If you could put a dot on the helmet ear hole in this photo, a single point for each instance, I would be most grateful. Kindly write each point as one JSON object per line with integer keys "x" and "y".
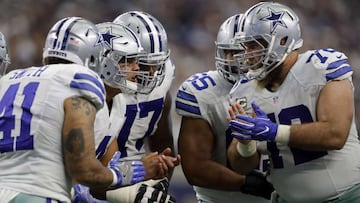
{"x": 283, "y": 41}
{"x": 92, "y": 59}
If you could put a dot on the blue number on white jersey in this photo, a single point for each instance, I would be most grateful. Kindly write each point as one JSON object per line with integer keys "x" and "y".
{"x": 302, "y": 113}
{"x": 131, "y": 111}
{"x": 24, "y": 141}
{"x": 203, "y": 78}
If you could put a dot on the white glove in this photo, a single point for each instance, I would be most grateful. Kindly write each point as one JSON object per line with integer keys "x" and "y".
{"x": 151, "y": 191}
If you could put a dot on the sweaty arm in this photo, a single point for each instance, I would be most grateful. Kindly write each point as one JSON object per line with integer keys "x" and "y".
{"x": 335, "y": 109}
{"x": 78, "y": 144}
{"x": 195, "y": 143}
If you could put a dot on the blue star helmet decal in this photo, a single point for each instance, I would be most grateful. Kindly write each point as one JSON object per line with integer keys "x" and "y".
{"x": 108, "y": 37}
{"x": 100, "y": 40}
{"x": 275, "y": 18}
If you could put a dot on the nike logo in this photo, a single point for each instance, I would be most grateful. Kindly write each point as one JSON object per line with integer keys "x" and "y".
{"x": 267, "y": 129}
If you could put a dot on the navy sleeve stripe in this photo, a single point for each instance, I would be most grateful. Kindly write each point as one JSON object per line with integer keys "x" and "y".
{"x": 92, "y": 79}
{"x": 186, "y": 96}
{"x": 338, "y": 73}
{"x": 337, "y": 64}
{"x": 187, "y": 108}
{"x": 88, "y": 87}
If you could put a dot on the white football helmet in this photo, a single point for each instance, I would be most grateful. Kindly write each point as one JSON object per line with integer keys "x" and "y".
{"x": 121, "y": 46}
{"x": 275, "y": 28}
{"x": 224, "y": 44}
{"x": 76, "y": 40}
{"x": 4, "y": 56}
{"x": 153, "y": 38}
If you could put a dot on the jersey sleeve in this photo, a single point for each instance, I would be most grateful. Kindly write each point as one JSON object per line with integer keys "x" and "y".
{"x": 89, "y": 85}
{"x": 336, "y": 64}
{"x": 186, "y": 103}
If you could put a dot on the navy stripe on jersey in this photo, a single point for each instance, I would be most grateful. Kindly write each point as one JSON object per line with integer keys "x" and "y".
{"x": 339, "y": 72}
{"x": 91, "y": 78}
{"x": 58, "y": 31}
{"x": 336, "y": 64}
{"x": 186, "y": 96}
{"x": 187, "y": 108}
{"x": 90, "y": 84}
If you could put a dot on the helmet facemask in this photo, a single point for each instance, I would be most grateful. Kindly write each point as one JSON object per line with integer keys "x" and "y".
{"x": 225, "y": 65}
{"x": 153, "y": 38}
{"x": 117, "y": 73}
{"x": 269, "y": 31}
{"x": 225, "y": 48}
{"x": 154, "y": 63}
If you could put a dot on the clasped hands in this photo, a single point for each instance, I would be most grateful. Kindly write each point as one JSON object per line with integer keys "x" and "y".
{"x": 152, "y": 166}
{"x": 259, "y": 127}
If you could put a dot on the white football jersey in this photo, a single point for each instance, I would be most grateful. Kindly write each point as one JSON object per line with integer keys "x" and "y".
{"x": 101, "y": 128}
{"x": 31, "y": 122}
{"x": 299, "y": 175}
{"x": 206, "y": 96}
{"x": 134, "y": 117}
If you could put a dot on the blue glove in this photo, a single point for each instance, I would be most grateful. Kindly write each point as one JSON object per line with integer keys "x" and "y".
{"x": 258, "y": 128}
{"x": 82, "y": 195}
{"x": 126, "y": 172}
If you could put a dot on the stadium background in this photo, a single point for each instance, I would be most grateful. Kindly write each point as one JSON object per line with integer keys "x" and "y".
{"x": 191, "y": 26}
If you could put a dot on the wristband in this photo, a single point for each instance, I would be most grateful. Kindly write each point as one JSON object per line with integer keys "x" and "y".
{"x": 115, "y": 178}
{"x": 283, "y": 134}
{"x": 123, "y": 194}
{"x": 246, "y": 150}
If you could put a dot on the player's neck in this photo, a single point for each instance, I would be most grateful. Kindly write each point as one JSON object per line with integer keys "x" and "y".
{"x": 111, "y": 92}
{"x": 274, "y": 80}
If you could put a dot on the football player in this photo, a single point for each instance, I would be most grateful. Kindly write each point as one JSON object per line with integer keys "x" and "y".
{"x": 304, "y": 111}
{"x": 202, "y": 101}
{"x": 120, "y": 72}
{"x": 141, "y": 120}
{"x": 47, "y": 137}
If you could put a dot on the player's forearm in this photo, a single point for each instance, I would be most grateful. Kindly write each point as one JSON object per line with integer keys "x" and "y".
{"x": 214, "y": 176}
{"x": 93, "y": 174}
{"x": 317, "y": 136}
{"x": 241, "y": 164}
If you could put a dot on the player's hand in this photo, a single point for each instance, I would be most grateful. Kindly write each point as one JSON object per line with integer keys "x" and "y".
{"x": 169, "y": 162}
{"x": 147, "y": 191}
{"x": 153, "y": 166}
{"x": 81, "y": 194}
{"x": 154, "y": 194}
{"x": 126, "y": 172}
{"x": 256, "y": 184}
{"x": 258, "y": 128}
